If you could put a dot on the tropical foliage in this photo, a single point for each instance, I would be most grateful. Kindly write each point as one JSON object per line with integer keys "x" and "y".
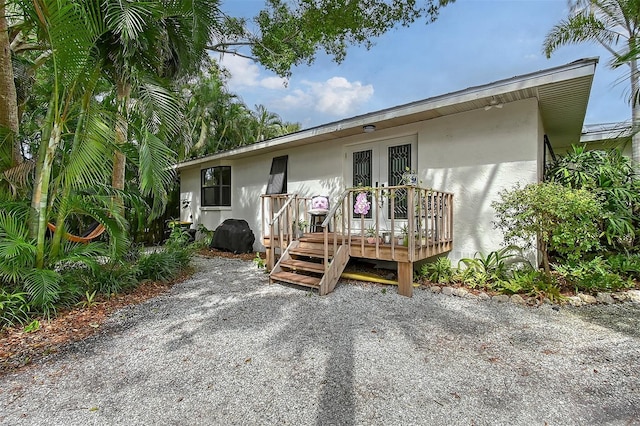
{"x": 560, "y": 219}
{"x": 611, "y": 177}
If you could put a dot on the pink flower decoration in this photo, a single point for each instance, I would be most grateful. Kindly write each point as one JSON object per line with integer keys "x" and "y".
{"x": 362, "y": 205}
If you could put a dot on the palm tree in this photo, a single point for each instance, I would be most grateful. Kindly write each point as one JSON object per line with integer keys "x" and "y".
{"x": 147, "y": 41}
{"x": 268, "y": 124}
{"x": 615, "y": 24}
{"x": 70, "y": 30}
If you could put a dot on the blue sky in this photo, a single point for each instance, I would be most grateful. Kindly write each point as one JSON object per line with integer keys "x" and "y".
{"x": 473, "y": 42}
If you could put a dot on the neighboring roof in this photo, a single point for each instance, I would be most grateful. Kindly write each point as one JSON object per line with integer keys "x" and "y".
{"x": 562, "y": 93}
{"x": 606, "y": 132}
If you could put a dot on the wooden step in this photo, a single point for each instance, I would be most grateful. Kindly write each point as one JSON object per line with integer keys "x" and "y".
{"x": 297, "y": 279}
{"x": 318, "y": 237}
{"x": 310, "y": 252}
{"x": 301, "y": 265}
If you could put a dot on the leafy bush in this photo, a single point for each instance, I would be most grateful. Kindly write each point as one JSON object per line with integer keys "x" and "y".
{"x": 14, "y": 308}
{"x": 520, "y": 281}
{"x": 163, "y": 265}
{"x": 627, "y": 265}
{"x": 439, "y": 271}
{"x": 45, "y": 287}
{"x": 182, "y": 257}
{"x": 564, "y": 220}
{"x": 497, "y": 265}
{"x": 114, "y": 277}
{"x": 594, "y": 275}
{"x": 206, "y": 235}
{"x": 179, "y": 237}
{"x": 615, "y": 183}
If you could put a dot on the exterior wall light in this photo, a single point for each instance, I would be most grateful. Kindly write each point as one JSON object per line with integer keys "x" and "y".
{"x": 369, "y": 128}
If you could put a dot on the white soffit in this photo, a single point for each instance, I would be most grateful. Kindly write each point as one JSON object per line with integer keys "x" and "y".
{"x": 562, "y": 93}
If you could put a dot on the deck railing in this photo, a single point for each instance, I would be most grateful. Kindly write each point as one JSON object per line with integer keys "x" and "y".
{"x": 400, "y": 218}
{"x": 282, "y": 216}
{"x": 408, "y": 221}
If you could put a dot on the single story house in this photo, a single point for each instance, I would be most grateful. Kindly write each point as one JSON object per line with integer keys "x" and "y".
{"x": 467, "y": 145}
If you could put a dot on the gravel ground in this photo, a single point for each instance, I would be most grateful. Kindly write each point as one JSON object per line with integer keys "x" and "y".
{"x": 226, "y": 348}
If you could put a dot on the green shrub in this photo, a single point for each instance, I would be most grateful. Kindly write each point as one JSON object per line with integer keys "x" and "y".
{"x": 564, "y": 220}
{"x": 439, "y": 271}
{"x": 591, "y": 276}
{"x": 615, "y": 183}
{"x": 179, "y": 237}
{"x": 14, "y": 308}
{"x": 497, "y": 265}
{"x": 519, "y": 282}
{"x": 164, "y": 265}
{"x": 626, "y": 265}
{"x": 182, "y": 258}
{"x": 549, "y": 289}
{"x": 206, "y": 235}
{"x": 114, "y": 277}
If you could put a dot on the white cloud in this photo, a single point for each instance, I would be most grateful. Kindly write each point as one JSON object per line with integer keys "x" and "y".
{"x": 337, "y": 96}
{"x": 245, "y": 73}
{"x": 275, "y": 83}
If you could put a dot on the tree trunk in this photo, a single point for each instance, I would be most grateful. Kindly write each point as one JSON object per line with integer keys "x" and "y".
{"x": 40, "y": 196}
{"x": 122, "y": 127}
{"x": 8, "y": 97}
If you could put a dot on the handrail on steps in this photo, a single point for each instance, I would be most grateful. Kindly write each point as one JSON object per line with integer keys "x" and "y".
{"x": 325, "y": 229}
{"x": 282, "y": 210}
{"x": 290, "y": 198}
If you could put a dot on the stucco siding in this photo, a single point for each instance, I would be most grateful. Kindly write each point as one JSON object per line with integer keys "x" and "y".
{"x": 475, "y": 155}
{"x": 313, "y": 169}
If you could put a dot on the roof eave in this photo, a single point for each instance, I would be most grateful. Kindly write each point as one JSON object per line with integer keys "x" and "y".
{"x": 514, "y": 88}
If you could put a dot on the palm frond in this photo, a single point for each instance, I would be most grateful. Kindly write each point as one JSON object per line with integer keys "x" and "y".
{"x": 159, "y": 107}
{"x": 577, "y": 29}
{"x": 43, "y": 287}
{"x": 70, "y": 34}
{"x": 129, "y": 19}
{"x": 85, "y": 254}
{"x": 156, "y": 171}
{"x": 90, "y": 160}
{"x": 17, "y": 250}
{"x": 17, "y": 177}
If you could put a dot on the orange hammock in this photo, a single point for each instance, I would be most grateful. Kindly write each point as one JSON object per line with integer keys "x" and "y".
{"x": 85, "y": 239}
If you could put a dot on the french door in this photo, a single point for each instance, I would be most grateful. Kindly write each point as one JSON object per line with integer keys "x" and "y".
{"x": 382, "y": 164}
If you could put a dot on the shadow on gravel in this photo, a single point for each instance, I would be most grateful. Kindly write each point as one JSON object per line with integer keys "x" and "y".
{"x": 623, "y": 318}
{"x": 506, "y": 360}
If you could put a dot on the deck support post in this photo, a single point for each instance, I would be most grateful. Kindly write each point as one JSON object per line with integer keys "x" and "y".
{"x": 405, "y": 279}
{"x": 270, "y": 259}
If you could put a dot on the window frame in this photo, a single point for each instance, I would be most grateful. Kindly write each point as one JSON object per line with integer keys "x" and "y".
{"x": 216, "y": 187}
{"x": 278, "y": 174}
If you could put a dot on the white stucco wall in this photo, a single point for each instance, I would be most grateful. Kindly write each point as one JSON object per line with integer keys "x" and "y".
{"x": 312, "y": 170}
{"x": 473, "y": 155}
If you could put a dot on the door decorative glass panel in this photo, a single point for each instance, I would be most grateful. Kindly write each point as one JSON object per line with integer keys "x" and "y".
{"x": 399, "y": 162}
{"x": 362, "y": 172}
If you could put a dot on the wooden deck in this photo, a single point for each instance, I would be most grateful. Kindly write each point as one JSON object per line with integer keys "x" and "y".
{"x": 423, "y": 216}
{"x": 360, "y": 248}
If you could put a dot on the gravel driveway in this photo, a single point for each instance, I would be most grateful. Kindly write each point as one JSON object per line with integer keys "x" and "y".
{"x": 226, "y": 348}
